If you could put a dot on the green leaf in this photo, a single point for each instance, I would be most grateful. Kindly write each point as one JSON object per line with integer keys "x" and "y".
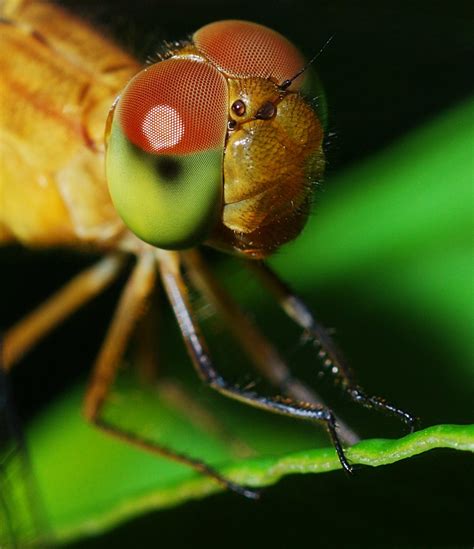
{"x": 397, "y": 230}
{"x": 91, "y": 482}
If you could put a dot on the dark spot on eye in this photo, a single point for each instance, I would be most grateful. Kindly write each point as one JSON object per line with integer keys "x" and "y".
{"x": 231, "y": 125}
{"x": 168, "y": 168}
{"x": 238, "y": 107}
{"x": 266, "y": 111}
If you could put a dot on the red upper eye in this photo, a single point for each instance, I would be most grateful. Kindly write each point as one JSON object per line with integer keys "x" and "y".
{"x": 177, "y": 106}
{"x": 244, "y": 49}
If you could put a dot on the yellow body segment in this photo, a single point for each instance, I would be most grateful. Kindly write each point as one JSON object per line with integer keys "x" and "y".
{"x": 59, "y": 79}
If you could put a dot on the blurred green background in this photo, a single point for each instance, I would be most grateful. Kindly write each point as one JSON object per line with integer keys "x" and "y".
{"x": 386, "y": 261}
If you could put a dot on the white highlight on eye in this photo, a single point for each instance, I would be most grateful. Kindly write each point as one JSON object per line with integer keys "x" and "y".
{"x": 163, "y": 127}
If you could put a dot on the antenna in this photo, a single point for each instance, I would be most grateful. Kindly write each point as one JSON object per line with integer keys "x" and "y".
{"x": 287, "y": 83}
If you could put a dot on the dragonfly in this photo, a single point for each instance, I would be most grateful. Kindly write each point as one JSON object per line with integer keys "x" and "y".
{"x": 213, "y": 145}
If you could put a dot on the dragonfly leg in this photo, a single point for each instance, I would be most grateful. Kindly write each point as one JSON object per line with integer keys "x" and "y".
{"x": 130, "y": 308}
{"x": 257, "y": 347}
{"x": 146, "y": 353}
{"x": 83, "y": 287}
{"x": 329, "y": 353}
{"x": 178, "y": 295}
{"x": 156, "y": 448}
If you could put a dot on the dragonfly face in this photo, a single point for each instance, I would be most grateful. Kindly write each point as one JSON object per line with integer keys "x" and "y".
{"x": 208, "y": 145}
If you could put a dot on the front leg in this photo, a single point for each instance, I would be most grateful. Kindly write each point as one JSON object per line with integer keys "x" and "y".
{"x": 331, "y": 356}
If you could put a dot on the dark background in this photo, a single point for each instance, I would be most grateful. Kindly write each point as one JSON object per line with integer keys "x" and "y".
{"x": 390, "y": 68}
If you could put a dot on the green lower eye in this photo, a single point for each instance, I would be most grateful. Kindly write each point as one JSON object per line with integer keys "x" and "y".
{"x": 169, "y": 201}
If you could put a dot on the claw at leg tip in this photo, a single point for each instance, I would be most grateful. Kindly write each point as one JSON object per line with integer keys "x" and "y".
{"x": 246, "y": 492}
{"x": 413, "y": 423}
{"x": 347, "y": 468}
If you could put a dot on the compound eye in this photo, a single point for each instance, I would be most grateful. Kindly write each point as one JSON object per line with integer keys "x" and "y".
{"x": 243, "y": 49}
{"x": 165, "y": 152}
{"x": 174, "y": 107}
